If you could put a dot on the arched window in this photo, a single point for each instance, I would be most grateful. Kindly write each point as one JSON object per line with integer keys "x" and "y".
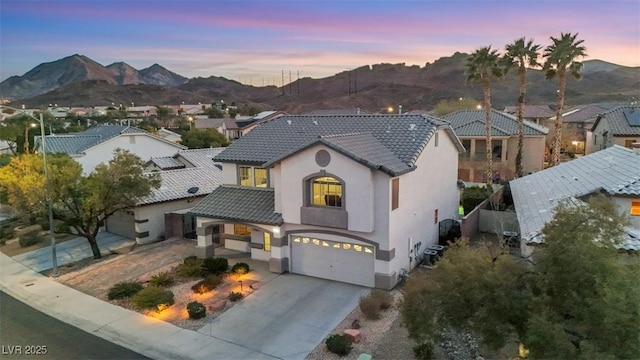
{"x": 326, "y": 191}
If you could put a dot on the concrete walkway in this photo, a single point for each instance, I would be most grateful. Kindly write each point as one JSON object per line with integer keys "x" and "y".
{"x": 71, "y": 251}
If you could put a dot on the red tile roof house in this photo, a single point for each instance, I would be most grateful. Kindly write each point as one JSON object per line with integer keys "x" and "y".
{"x": 469, "y": 126}
{"x": 352, "y": 198}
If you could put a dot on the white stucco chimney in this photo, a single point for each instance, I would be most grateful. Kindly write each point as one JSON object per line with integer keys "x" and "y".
{"x": 636, "y": 147}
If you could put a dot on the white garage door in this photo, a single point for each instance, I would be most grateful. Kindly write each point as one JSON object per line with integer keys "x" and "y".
{"x": 333, "y": 260}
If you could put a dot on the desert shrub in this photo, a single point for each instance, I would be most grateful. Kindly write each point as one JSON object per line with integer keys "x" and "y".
{"x": 235, "y": 296}
{"x": 473, "y": 196}
{"x": 152, "y": 297}
{"x": 240, "y": 268}
{"x": 29, "y": 238}
{"x": 370, "y": 307}
{"x": 207, "y": 284}
{"x": 196, "y": 310}
{"x": 215, "y": 265}
{"x": 189, "y": 259}
{"x": 44, "y": 224}
{"x": 191, "y": 267}
{"x": 3, "y": 241}
{"x": 124, "y": 289}
{"x": 384, "y": 298}
{"x": 162, "y": 279}
{"x": 423, "y": 351}
{"x": 339, "y": 344}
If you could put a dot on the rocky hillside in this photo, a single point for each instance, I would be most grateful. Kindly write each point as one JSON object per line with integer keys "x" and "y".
{"x": 75, "y": 69}
{"x": 371, "y": 88}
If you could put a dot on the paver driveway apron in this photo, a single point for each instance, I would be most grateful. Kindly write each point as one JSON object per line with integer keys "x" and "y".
{"x": 288, "y": 317}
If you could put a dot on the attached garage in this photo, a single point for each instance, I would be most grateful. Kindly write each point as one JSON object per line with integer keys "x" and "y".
{"x": 122, "y": 223}
{"x": 333, "y": 260}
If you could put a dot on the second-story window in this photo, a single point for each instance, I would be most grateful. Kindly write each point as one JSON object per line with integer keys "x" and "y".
{"x": 252, "y": 176}
{"x": 326, "y": 191}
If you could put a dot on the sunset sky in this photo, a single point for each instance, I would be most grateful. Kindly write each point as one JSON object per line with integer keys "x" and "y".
{"x": 253, "y": 41}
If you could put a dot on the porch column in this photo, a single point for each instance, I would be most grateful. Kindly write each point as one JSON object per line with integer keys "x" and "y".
{"x": 472, "y": 150}
{"x": 504, "y": 150}
{"x": 204, "y": 249}
{"x": 279, "y": 261}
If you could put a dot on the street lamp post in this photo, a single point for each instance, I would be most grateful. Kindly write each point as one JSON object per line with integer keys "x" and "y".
{"x": 54, "y": 257}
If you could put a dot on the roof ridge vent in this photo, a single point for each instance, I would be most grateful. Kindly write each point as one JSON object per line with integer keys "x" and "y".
{"x": 412, "y": 127}
{"x": 289, "y": 121}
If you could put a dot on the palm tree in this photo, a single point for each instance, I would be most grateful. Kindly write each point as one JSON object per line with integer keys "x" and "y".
{"x": 561, "y": 56}
{"x": 481, "y": 66}
{"x": 523, "y": 54}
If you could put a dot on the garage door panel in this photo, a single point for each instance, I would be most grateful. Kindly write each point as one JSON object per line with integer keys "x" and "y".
{"x": 339, "y": 261}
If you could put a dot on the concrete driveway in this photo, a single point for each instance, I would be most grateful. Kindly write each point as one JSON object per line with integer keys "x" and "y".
{"x": 288, "y": 317}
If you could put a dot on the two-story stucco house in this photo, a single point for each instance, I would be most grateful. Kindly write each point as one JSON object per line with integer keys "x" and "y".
{"x": 353, "y": 198}
{"x": 96, "y": 145}
{"x": 469, "y": 126}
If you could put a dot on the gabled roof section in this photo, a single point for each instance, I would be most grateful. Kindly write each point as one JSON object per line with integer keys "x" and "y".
{"x": 471, "y": 123}
{"x": 616, "y": 170}
{"x": 403, "y": 136}
{"x": 582, "y": 114}
{"x": 241, "y": 204}
{"x": 622, "y": 121}
{"x": 80, "y": 142}
{"x": 204, "y": 176}
{"x": 166, "y": 163}
{"x": 336, "y": 112}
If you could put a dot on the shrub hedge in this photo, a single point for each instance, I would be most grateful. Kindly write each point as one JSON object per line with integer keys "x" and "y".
{"x": 215, "y": 265}
{"x": 207, "y": 284}
{"x": 240, "y": 268}
{"x": 152, "y": 297}
{"x": 190, "y": 267}
{"x": 124, "y": 289}
{"x": 162, "y": 279}
{"x": 339, "y": 344}
{"x": 196, "y": 310}
{"x": 235, "y": 296}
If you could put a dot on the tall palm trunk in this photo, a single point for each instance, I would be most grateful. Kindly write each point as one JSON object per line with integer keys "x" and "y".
{"x": 486, "y": 92}
{"x": 557, "y": 133}
{"x": 522, "y": 72}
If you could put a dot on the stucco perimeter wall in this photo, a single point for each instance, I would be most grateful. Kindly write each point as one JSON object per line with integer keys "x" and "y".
{"x": 471, "y": 221}
{"x": 624, "y": 204}
{"x": 144, "y": 146}
{"x": 150, "y": 218}
{"x": 431, "y": 186}
{"x": 497, "y": 222}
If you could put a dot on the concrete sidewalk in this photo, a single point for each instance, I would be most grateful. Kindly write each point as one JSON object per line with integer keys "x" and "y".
{"x": 145, "y": 335}
{"x": 71, "y": 251}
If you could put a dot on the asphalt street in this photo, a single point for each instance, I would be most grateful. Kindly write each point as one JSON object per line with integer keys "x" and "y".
{"x": 26, "y": 333}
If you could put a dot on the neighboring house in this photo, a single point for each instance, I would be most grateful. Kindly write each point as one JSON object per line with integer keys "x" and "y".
{"x": 469, "y": 126}
{"x": 538, "y": 114}
{"x": 96, "y": 145}
{"x": 187, "y": 177}
{"x": 236, "y": 128}
{"x": 204, "y": 122}
{"x": 614, "y": 171}
{"x": 353, "y": 198}
{"x": 618, "y": 126}
{"x": 575, "y": 124}
{"x": 141, "y": 111}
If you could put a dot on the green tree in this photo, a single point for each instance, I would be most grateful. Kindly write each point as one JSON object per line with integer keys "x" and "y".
{"x": 164, "y": 115}
{"x": 561, "y": 57}
{"x": 522, "y": 54}
{"x": 82, "y": 202}
{"x": 482, "y": 66}
{"x": 203, "y": 138}
{"x": 448, "y": 106}
{"x": 576, "y": 300}
{"x": 482, "y": 289}
{"x": 214, "y": 113}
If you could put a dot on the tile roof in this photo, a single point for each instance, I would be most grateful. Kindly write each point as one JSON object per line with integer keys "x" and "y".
{"x": 334, "y": 112}
{"x": 532, "y": 111}
{"x": 471, "y": 123}
{"x": 166, "y": 162}
{"x": 204, "y": 175}
{"x": 616, "y": 170}
{"x": 80, "y": 142}
{"x": 243, "y": 204}
{"x": 583, "y": 114}
{"x": 621, "y": 121}
{"x": 376, "y": 137}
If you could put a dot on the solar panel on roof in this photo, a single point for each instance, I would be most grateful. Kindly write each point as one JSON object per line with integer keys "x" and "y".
{"x": 633, "y": 117}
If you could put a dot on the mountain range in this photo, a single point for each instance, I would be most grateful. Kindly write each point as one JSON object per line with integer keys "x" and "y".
{"x": 79, "y": 81}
